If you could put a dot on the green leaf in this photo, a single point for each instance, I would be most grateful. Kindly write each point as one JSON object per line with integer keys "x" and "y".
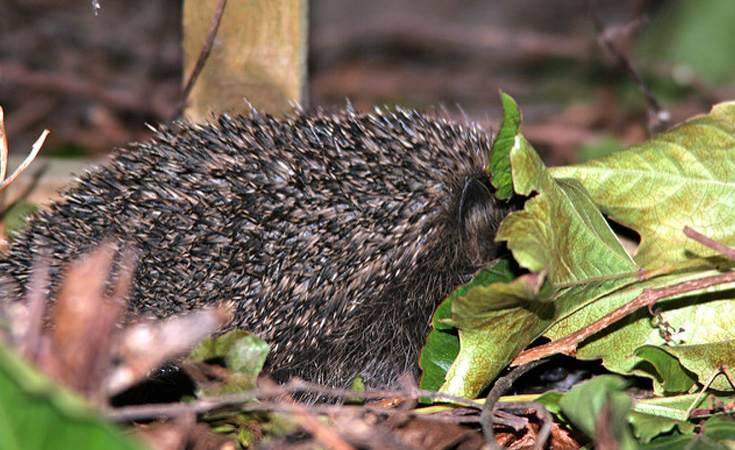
{"x": 647, "y": 426}
{"x": 442, "y": 344}
{"x": 699, "y": 319}
{"x": 565, "y": 242}
{"x": 583, "y": 404}
{"x": 495, "y": 322}
{"x": 242, "y": 352}
{"x": 705, "y": 360}
{"x": 440, "y": 349}
{"x": 717, "y": 433}
{"x": 677, "y": 407}
{"x": 673, "y": 377}
{"x": 550, "y": 399}
{"x": 684, "y": 177}
{"x": 38, "y": 414}
{"x": 560, "y": 229}
{"x": 499, "y": 166}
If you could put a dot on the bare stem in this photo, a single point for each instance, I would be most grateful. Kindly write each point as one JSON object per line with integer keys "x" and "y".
{"x": 3, "y": 147}
{"x": 34, "y": 152}
{"x": 204, "y": 54}
{"x": 711, "y": 243}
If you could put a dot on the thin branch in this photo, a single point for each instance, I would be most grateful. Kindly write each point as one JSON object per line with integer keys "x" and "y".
{"x": 204, "y": 405}
{"x": 499, "y": 388}
{"x": 143, "y": 412}
{"x": 3, "y": 147}
{"x": 659, "y": 119}
{"x": 34, "y": 152}
{"x": 311, "y": 424}
{"x": 568, "y": 344}
{"x": 711, "y": 243}
{"x": 203, "y": 55}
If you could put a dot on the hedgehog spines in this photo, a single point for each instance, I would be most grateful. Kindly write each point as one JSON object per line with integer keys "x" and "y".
{"x": 336, "y": 234}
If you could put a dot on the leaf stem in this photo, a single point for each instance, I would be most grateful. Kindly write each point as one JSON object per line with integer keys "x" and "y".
{"x": 711, "y": 243}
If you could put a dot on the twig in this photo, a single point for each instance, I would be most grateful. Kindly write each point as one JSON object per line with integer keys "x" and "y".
{"x": 306, "y": 419}
{"x": 724, "y": 369}
{"x": 34, "y": 152}
{"x": 297, "y": 384}
{"x": 568, "y": 344}
{"x": 204, "y": 405}
{"x": 711, "y": 243}
{"x": 542, "y": 414}
{"x": 501, "y": 386}
{"x": 203, "y": 55}
{"x": 143, "y": 412}
{"x": 658, "y": 118}
{"x": 3, "y": 147}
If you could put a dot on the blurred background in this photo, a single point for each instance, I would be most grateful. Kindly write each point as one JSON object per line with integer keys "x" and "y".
{"x": 95, "y": 81}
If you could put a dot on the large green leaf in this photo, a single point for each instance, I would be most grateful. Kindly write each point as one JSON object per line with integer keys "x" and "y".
{"x": 560, "y": 230}
{"x": 583, "y": 405}
{"x": 717, "y": 433}
{"x": 442, "y": 344}
{"x": 243, "y": 354}
{"x": 565, "y": 242}
{"x": 704, "y": 360}
{"x": 495, "y": 322}
{"x": 38, "y": 414}
{"x": 704, "y": 319}
{"x": 673, "y": 377}
{"x": 684, "y": 177}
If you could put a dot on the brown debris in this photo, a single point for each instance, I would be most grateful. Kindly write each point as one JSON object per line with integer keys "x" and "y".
{"x": 83, "y": 345}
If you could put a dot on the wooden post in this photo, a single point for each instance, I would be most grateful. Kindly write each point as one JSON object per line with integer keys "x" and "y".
{"x": 258, "y": 56}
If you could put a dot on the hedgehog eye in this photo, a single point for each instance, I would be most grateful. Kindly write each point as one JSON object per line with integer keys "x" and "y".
{"x": 476, "y": 193}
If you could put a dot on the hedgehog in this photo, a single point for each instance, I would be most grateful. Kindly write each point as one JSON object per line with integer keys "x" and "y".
{"x": 334, "y": 233}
